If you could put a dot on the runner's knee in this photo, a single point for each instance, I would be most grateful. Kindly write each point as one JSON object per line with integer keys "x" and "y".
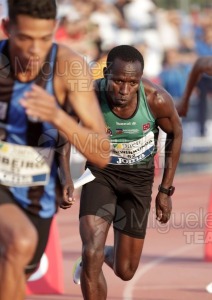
{"x": 93, "y": 255}
{"x": 126, "y": 272}
{"x": 20, "y": 245}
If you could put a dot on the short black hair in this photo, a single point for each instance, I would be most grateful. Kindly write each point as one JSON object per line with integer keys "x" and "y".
{"x": 126, "y": 53}
{"x": 40, "y": 9}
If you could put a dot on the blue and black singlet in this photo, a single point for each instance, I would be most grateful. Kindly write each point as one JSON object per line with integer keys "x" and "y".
{"x": 15, "y": 128}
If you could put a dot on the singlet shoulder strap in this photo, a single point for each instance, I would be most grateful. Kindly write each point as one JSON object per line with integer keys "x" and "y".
{"x": 53, "y": 55}
{"x": 143, "y": 101}
{"x": 3, "y": 44}
{"x": 46, "y": 75}
{"x": 99, "y": 88}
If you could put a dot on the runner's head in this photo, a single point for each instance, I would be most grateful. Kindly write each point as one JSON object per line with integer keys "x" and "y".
{"x": 123, "y": 75}
{"x": 38, "y": 9}
{"x": 30, "y": 30}
{"x": 125, "y": 53}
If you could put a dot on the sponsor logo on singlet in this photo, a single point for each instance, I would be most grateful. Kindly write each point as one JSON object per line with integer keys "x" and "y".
{"x": 146, "y": 127}
{"x": 128, "y": 153}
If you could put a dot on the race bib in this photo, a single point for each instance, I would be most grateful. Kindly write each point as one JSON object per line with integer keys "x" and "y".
{"x": 24, "y": 165}
{"x": 133, "y": 152}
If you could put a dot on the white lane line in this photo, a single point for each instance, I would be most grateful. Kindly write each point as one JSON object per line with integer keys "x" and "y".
{"x": 128, "y": 291}
{"x": 169, "y": 287}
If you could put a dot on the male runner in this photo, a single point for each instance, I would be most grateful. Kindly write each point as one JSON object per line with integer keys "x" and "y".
{"x": 134, "y": 109}
{"x": 37, "y": 73}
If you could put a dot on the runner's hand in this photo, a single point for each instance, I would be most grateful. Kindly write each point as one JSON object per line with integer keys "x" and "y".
{"x": 68, "y": 198}
{"x": 40, "y": 105}
{"x": 163, "y": 204}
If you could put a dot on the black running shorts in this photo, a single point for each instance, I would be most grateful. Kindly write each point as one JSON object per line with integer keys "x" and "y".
{"x": 120, "y": 194}
{"x": 42, "y": 225}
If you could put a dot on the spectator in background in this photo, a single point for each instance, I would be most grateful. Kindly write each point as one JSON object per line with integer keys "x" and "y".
{"x": 140, "y": 15}
{"x": 174, "y": 74}
{"x": 203, "y": 45}
{"x": 168, "y": 25}
{"x": 204, "y": 48}
{"x": 120, "y": 5}
{"x": 153, "y": 58}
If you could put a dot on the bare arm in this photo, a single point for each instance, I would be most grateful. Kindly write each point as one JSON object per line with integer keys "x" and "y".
{"x": 89, "y": 138}
{"x": 65, "y": 173}
{"x": 162, "y": 107}
{"x": 202, "y": 65}
{"x": 172, "y": 126}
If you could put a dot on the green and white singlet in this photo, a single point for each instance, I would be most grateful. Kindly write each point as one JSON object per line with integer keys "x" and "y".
{"x": 133, "y": 140}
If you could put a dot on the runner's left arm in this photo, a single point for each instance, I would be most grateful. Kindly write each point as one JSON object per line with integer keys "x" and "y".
{"x": 168, "y": 120}
{"x": 162, "y": 107}
{"x": 65, "y": 174}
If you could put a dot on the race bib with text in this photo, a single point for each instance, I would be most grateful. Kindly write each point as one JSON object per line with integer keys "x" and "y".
{"x": 130, "y": 153}
{"x": 24, "y": 165}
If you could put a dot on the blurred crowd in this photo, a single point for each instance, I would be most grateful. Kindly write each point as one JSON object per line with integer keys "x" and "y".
{"x": 170, "y": 40}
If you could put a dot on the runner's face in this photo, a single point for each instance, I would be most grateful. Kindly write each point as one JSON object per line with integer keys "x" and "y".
{"x": 123, "y": 82}
{"x": 30, "y": 40}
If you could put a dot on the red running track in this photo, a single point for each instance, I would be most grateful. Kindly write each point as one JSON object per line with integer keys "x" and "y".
{"x": 172, "y": 266}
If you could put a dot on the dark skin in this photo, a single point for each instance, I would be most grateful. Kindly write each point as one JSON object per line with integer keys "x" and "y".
{"x": 201, "y": 66}
{"x": 123, "y": 80}
{"x": 123, "y": 102}
{"x": 68, "y": 198}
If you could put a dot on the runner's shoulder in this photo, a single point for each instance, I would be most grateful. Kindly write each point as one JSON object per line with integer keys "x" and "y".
{"x": 66, "y": 54}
